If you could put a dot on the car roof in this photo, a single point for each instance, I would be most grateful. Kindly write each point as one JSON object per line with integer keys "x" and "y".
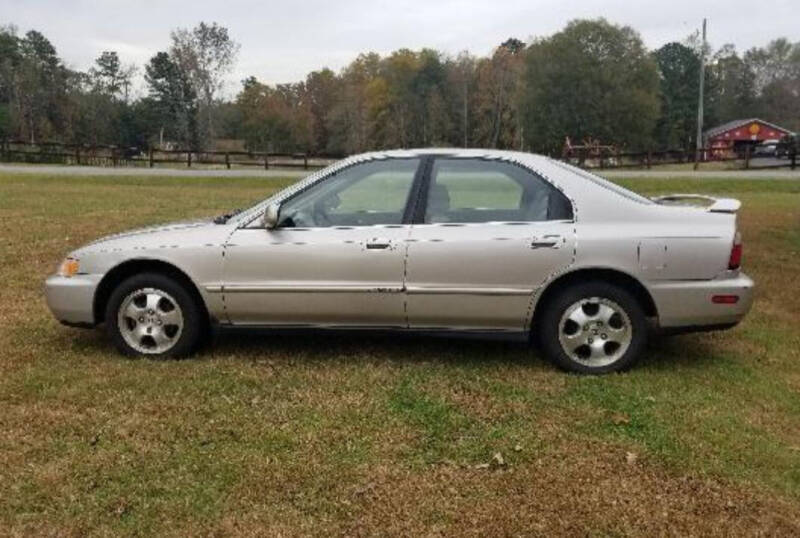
{"x": 596, "y": 194}
{"x": 597, "y": 197}
{"x": 458, "y": 152}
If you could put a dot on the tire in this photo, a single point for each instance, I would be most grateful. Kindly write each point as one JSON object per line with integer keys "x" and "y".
{"x": 152, "y": 315}
{"x": 593, "y": 328}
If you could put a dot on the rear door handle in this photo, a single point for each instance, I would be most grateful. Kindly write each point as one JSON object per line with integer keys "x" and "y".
{"x": 547, "y": 241}
{"x": 378, "y": 244}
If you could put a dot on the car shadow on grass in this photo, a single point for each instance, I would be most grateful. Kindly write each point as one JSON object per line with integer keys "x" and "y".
{"x": 353, "y": 346}
{"x": 688, "y": 351}
{"x": 346, "y": 346}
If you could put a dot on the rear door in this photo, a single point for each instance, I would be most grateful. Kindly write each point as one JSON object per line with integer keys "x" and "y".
{"x": 487, "y": 235}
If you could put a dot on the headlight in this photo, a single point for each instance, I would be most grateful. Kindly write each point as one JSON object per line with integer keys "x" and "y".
{"x": 69, "y": 267}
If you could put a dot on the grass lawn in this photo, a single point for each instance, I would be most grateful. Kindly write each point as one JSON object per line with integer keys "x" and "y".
{"x": 709, "y": 165}
{"x": 380, "y": 435}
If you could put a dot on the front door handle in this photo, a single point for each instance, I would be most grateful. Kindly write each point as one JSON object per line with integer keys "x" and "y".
{"x": 546, "y": 241}
{"x": 378, "y": 244}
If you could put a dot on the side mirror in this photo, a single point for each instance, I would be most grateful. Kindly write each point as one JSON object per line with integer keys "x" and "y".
{"x": 271, "y": 215}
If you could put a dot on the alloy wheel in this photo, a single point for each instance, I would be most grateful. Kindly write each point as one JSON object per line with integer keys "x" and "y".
{"x": 150, "y": 320}
{"x": 595, "y": 331}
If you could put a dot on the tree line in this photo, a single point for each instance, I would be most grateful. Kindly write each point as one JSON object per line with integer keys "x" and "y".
{"x": 593, "y": 80}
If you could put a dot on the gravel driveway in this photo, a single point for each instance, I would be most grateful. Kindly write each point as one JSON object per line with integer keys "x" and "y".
{"x": 782, "y": 173}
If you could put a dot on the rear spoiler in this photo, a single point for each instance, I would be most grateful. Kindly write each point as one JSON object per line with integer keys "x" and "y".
{"x": 711, "y": 204}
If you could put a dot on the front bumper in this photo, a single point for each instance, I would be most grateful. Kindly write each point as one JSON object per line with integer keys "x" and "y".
{"x": 71, "y": 300}
{"x": 688, "y": 303}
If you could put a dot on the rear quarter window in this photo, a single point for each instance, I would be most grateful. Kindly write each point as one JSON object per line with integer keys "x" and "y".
{"x": 606, "y": 184}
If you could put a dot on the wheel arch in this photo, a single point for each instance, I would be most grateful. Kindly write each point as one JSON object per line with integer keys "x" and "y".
{"x": 132, "y": 267}
{"x": 604, "y": 274}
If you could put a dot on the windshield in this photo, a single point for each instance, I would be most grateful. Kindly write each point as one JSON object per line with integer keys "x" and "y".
{"x": 225, "y": 217}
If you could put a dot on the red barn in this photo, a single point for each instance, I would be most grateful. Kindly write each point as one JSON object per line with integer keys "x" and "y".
{"x": 730, "y": 139}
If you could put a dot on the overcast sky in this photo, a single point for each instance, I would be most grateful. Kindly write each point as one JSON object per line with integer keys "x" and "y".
{"x": 282, "y": 41}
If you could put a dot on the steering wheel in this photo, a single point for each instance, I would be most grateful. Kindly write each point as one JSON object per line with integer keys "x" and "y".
{"x": 299, "y": 219}
{"x": 320, "y": 217}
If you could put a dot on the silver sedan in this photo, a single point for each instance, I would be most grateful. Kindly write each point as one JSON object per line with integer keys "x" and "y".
{"x": 453, "y": 242}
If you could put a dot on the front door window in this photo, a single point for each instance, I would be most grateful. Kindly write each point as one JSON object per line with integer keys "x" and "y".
{"x": 367, "y": 194}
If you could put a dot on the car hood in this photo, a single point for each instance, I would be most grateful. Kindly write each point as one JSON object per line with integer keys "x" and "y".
{"x": 158, "y": 229}
{"x": 154, "y": 241}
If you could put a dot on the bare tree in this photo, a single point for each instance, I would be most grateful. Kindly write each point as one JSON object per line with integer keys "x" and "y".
{"x": 462, "y": 75}
{"x": 205, "y": 54}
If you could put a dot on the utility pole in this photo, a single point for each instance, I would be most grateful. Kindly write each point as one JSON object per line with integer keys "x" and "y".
{"x": 699, "y": 140}
{"x": 466, "y": 110}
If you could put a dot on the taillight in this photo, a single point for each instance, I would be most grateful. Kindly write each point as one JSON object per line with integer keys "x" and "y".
{"x": 735, "y": 261}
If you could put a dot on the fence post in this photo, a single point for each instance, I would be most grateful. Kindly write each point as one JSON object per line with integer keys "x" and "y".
{"x": 227, "y": 160}
{"x": 747, "y": 157}
{"x": 266, "y": 161}
{"x": 150, "y": 158}
{"x": 77, "y": 154}
{"x": 189, "y": 159}
{"x": 794, "y": 159}
{"x": 305, "y": 161}
{"x": 648, "y": 157}
{"x": 114, "y": 157}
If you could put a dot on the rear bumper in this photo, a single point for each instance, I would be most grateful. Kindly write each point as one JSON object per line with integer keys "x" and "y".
{"x": 71, "y": 300}
{"x": 687, "y": 304}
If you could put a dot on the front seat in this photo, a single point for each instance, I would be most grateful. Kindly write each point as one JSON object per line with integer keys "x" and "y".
{"x": 438, "y": 204}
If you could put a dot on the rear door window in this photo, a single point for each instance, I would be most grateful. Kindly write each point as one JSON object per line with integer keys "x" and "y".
{"x": 467, "y": 190}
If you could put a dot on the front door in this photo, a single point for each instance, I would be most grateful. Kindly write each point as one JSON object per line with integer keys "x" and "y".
{"x": 491, "y": 234}
{"x": 336, "y": 258}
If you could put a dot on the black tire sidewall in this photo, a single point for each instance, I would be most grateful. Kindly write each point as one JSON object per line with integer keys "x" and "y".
{"x": 192, "y": 322}
{"x": 549, "y": 327}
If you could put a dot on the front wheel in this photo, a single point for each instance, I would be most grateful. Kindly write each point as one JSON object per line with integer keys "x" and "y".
{"x": 152, "y": 315}
{"x": 593, "y": 328}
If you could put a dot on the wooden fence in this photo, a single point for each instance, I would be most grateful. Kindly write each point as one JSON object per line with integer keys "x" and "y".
{"x": 57, "y": 153}
{"x": 649, "y": 159}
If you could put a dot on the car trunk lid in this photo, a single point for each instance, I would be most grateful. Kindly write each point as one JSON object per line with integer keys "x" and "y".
{"x": 709, "y": 242}
{"x": 709, "y": 203}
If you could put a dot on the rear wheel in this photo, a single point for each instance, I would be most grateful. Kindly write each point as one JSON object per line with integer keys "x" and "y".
{"x": 593, "y": 328}
{"x": 152, "y": 315}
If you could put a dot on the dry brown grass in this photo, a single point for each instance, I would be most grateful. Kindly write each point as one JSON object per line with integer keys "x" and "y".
{"x": 266, "y": 435}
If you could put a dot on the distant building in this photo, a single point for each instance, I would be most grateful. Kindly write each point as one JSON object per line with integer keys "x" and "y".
{"x": 732, "y": 138}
